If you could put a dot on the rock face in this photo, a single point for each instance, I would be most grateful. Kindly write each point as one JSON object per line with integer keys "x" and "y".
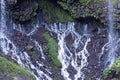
{"x": 23, "y": 10}
{"x": 27, "y": 10}
{"x": 83, "y": 8}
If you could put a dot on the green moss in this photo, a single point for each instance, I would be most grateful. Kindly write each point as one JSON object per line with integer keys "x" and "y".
{"x": 14, "y": 1}
{"x": 114, "y": 69}
{"x": 82, "y": 8}
{"x": 13, "y": 69}
{"x": 54, "y": 13}
{"x": 52, "y": 49}
{"x": 116, "y": 1}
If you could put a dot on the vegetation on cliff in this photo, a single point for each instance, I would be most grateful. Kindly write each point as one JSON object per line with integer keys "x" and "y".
{"x": 53, "y": 12}
{"x": 59, "y": 10}
{"x": 24, "y": 10}
{"x": 113, "y": 72}
{"x": 85, "y": 8}
{"x": 9, "y": 68}
{"x": 52, "y": 48}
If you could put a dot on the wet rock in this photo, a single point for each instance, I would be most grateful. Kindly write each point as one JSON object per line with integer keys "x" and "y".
{"x": 29, "y": 47}
{"x": 71, "y": 70}
{"x": 20, "y": 39}
{"x": 69, "y": 40}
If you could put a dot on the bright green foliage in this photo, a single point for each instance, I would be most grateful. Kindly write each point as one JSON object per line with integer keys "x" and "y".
{"x": 13, "y": 69}
{"x": 54, "y": 13}
{"x": 114, "y": 69}
{"x": 52, "y": 49}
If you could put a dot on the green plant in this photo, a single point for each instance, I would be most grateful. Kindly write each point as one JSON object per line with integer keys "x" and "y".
{"x": 114, "y": 69}
{"x": 52, "y": 49}
{"x": 54, "y": 13}
{"x": 13, "y": 69}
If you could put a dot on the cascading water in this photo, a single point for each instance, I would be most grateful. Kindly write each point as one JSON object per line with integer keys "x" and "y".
{"x": 3, "y": 25}
{"x": 112, "y": 37}
{"x": 21, "y": 57}
{"x": 66, "y": 56}
{"x": 79, "y": 51}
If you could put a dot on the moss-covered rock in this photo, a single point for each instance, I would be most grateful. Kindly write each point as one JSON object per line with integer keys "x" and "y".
{"x": 52, "y": 48}
{"x": 113, "y": 72}
{"x": 11, "y": 71}
{"x": 54, "y": 13}
{"x": 24, "y": 10}
{"x": 64, "y": 10}
{"x": 85, "y": 8}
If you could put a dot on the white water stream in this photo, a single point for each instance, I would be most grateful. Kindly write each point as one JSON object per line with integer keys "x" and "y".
{"x": 22, "y": 58}
{"x": 65, "y": 55}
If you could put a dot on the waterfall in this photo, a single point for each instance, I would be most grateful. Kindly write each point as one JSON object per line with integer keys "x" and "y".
{"x": 112, "y": 37}
{"x": 21, "y": 57}
{"x": 65, "y": 55}
{"x": 3, "y": 25}
{"x": 80, "y": 50}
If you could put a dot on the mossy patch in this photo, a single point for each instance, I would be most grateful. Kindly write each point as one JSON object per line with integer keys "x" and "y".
{"x": 52, "y": 48}
{"x": 12, "y": 69}
{"x": 84, "y": 8}
{"x": 53, "y": 13}
{"x": 113, "y": 71}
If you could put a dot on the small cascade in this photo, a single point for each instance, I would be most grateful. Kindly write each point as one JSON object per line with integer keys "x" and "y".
{"x": 33, "y": 30}
{"x": 18, "y": 28}
{"x": 85, "y": 30}
{"x": 3, "y": 25}
{"x": 21, "y": 57}
{"x": 112, "y": 37}
{"x": 65, "y": 55}
{"x": 39, "y": 49}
